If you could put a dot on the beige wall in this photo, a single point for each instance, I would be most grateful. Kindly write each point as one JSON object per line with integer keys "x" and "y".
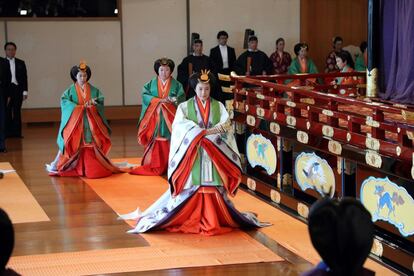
{"x": 269, "y": 18}
{"x": 150, "y": 29}
{"x": 51, "y": 48}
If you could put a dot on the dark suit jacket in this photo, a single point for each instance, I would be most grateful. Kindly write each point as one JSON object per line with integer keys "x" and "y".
{"x": 21, "y": 74}
{"x": 5, "y": 76}
{"x": 215, "y": 56}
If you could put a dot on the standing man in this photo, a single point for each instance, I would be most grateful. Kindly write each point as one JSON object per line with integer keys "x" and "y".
{"x": 17, "y": 91}
{"x": 223, "y": 57}
{"x": 4, "y": 82}
{"x": 193, "y": 63}
{"x": 253, "y": 62}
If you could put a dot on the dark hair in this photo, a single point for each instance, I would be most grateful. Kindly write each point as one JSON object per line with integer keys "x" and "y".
{"x": 75, "y": 70}
{"x": 222, "y": 33}
{"x": 279, "y": 39}
{"x": 6, "y": 239}
{"x": 342, "y": 232}
{"x": 346, "y": 56}
{"x": 10, "y": 43}
{"x": 252, "y": 38}
{"x": 336, "y": 39}
{"x": 196, "y": 41}
{"x": 164, "y": 61}
{"x": 363, "y": 46}
{"x": 195, "y": 79}
{"x": 299, "y": 46}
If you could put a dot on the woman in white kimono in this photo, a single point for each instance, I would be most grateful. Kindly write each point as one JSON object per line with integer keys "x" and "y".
{"x": 204, "y": 167}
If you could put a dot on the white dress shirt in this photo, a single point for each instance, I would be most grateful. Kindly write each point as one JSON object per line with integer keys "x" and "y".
{"x": 224, "y": 56}
{"x": 12, "y": 62}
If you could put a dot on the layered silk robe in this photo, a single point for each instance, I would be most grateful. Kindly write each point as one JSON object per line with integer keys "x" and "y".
{"x": 203, "y": 170}
{"x": 83, "y": 137}
{"x": 154, "y": 128}
{"x": 301, "y": 67}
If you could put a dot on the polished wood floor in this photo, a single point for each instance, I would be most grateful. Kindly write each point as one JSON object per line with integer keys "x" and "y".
{"x": 80, "y": 220}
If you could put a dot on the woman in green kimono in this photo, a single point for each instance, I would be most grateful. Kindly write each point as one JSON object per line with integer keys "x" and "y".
{"x": 83, "y": 137}
{"x": 160, "y": 98}
{"x": 301, "y": 64}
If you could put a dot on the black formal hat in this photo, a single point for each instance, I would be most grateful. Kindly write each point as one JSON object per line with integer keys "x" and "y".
{"x": 81, "y": 67}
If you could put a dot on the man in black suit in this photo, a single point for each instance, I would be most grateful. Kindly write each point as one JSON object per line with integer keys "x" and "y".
{"x": 4, "y": 81}
{"x": 193, "y": 63}
{"x": 223, "y": 57}
{"x": 17, "y": 91}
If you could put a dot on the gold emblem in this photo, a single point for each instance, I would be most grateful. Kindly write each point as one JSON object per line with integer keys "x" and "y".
{"x": 307, "y": 101}
{"x": 260, "y": 96}
{"x": 275, "y": 196}
{"x": 291, "y": 121}
{"x": 327, "y": 112}
{"x": 251, "y": 121}
{"x": 291, "y": 104}
{"x": 303, "y": 210}
{"x": 377, "y": 248}
{"x": 372, "y": 143}
{"x": 335, "y": 147}
{"x": 260, "y": 112}
{"x": 328, "y": 131}
{"x": 251, "y": 184}
{"x": 373, "y": 159}
{"x": 274, "y": 128}
{"x": 302, "y": 137}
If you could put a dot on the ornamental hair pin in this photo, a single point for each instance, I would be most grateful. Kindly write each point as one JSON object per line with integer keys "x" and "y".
{"x": 164, "y": 61}
{"x": 204, "y": 77}
{"x": 82, "y": 65}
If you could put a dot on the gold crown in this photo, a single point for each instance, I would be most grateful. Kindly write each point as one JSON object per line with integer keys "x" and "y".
{"x": 204, "y": 77}
{"x": 82, "y": 65}
{"x": 164, "y": 61}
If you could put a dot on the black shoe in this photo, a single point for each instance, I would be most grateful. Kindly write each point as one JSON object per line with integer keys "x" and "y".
{"x": 3, "y": 150}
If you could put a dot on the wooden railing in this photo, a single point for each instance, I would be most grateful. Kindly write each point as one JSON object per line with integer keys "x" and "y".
{"x": 368, "y": 124}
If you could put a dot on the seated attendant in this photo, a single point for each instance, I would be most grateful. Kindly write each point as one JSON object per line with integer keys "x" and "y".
{"x": 204, "y": 168}
{"x": 345, "y": 64}
{"x": 301, "y": 64}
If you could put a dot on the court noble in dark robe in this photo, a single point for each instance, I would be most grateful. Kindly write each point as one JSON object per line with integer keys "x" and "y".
{"x": 259, "y": 63}
{"x": 192, "y": 64}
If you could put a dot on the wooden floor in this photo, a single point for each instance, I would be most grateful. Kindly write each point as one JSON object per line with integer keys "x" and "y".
{"x": 80, "y": 220}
